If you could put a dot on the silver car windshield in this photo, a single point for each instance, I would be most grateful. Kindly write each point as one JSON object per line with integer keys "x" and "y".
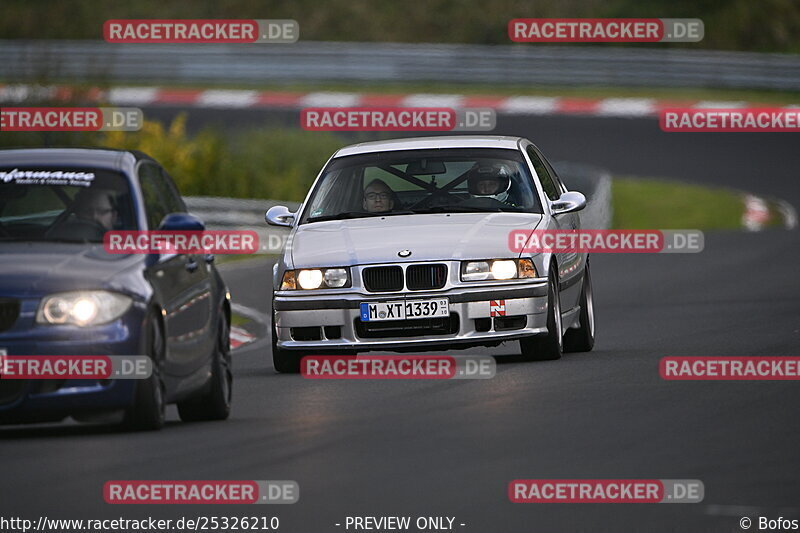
{"x": 423, "y": 181}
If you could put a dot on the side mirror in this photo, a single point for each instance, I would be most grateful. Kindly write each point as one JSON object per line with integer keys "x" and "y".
{"x": 175, "y": 222}
{"x": 279, "y": 215}
{"x": 181, "y": 222}
{"x": 568, "y": 202}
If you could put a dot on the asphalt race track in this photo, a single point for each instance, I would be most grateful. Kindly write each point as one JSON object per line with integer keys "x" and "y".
{"x": 450, "y": 448}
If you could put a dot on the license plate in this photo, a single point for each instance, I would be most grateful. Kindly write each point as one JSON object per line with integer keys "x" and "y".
{"x": 405, "y": 310}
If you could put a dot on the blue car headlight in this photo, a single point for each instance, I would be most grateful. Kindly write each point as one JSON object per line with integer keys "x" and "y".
{"x": 82, "y": 308}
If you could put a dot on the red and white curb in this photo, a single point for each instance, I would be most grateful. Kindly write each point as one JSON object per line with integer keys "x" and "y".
{"x": 240, "y": 337}
{"x": 250, "y": 99}
{"x": 757, "y": 214}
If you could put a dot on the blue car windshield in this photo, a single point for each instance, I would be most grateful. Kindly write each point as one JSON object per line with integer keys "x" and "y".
{"x": 63, "y": 204}
{"x": 406, "y": 182}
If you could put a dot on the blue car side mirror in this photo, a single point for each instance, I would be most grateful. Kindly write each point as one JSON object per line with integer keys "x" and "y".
{"x": 181, "y": 222}
{"x": 177, "y": 222}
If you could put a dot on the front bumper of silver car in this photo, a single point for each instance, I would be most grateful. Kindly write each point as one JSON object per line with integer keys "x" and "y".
{"x": 478, "y": 316}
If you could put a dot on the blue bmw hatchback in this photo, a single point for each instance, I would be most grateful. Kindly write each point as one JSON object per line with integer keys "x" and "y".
{"x": 61, "y": 293}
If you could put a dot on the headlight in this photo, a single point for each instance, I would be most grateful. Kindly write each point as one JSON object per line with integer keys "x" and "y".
{"x": 497, "y": 269}
{"x": 504, "y": 269}
{"x": 336, "y": 277}
{"x": 316, "y": 278}
{"x": 309, "y": 279}
{"x": 289, "y": 282}
{"x": 82, "y": 308}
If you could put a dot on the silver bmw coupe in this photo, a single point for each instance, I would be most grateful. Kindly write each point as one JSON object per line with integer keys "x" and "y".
{"x": 404, "y": 245}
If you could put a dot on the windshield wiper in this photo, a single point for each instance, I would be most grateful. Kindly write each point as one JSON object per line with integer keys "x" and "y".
{"x": 13, "y": 238}
{"x": 457, "y": 209}
{"x": 342, "y": 216}
{"x": 357, "y": 214}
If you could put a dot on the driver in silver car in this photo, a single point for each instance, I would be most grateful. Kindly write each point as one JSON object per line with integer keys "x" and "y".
{"x": 378, "y": 197}
{"x": 490, "y": 180}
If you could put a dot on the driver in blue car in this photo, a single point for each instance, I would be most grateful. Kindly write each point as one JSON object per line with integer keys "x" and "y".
{"x": 96, "y": 205}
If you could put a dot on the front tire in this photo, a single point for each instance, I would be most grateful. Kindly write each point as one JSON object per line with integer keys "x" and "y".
{"x": 148, "y": 411}
{"x": 215, "y": 403}
{"x": 581, "y": 339}
{"x": 546, "y": 347}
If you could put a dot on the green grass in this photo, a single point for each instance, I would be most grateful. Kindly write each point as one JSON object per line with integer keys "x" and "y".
{"x": 660, "y": 204}
{"x": 239, "y": 320}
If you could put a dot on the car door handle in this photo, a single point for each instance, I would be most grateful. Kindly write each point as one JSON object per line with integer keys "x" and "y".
{"x": 191, "y": 265}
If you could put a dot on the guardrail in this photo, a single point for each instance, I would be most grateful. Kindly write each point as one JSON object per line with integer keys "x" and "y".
{"x": 232, "y": 211}
{"x": 241, "y": 214}
{"x": 520, "y": 64}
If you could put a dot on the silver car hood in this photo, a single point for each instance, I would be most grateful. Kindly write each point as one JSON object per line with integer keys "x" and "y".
{"x": 429, "y": 238}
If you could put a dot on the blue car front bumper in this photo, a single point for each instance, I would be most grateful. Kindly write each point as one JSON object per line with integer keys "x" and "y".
{"x": 52, "y": 400}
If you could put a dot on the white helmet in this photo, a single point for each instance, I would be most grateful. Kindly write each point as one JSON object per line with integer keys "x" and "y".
{"x": 490, "y": 179}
